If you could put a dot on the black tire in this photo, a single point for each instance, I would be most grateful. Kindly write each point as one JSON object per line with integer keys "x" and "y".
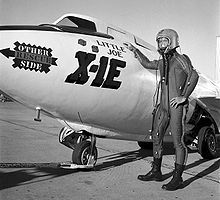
{"x": 207, "y": 144}
{"x": 145, "y": 145}
{"x": 82, "y": 152}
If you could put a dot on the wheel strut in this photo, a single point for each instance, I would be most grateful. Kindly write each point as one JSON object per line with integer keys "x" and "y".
{"x": 91, "y": 160}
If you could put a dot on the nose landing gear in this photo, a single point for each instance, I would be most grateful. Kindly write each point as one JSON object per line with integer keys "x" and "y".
{"x": 83, "y": 144}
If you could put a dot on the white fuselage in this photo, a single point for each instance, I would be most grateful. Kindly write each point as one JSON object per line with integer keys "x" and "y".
{"x": 113, "y": 93}
{"x": 86, "y": 78}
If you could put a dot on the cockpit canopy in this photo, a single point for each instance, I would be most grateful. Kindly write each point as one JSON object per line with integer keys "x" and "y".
{"x": 94, "y": 25}
{"x": 77, "y": 22}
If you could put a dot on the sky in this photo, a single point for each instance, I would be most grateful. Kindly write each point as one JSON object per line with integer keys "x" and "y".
{"x": 196, "y": 21}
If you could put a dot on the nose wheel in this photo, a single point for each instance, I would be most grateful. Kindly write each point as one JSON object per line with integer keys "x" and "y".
{"x": 83, "y": 144}
{"x": 84, "y": 154}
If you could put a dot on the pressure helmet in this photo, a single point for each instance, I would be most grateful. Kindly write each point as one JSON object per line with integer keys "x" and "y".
{"x": 172, "y": 37}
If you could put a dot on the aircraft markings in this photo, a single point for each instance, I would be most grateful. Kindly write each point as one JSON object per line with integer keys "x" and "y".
{"x": 81, "y": 75}
{"x": 30, "y": 57}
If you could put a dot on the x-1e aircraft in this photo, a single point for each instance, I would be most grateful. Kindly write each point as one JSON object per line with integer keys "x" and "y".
{"x": 78, "y": 70}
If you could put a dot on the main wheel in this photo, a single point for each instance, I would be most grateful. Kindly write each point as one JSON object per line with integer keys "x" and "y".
{"x": 145, "y": 145}
{"x": 207, "y": 144}
{"x": 82, "y": 153}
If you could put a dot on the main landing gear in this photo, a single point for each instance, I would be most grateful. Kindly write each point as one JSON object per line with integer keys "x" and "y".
{"x": 83, "y": 144}
{"x": 204, "y": 135}
{"x": 205, "y": 142}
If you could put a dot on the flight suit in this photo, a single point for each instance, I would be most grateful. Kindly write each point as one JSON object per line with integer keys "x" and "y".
{"x": 178, "y": 78}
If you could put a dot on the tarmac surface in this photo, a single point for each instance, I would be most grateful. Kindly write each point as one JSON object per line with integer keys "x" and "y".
{"x": 30, "y": 154}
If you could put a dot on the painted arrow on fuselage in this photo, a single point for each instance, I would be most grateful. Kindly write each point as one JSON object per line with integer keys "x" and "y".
{"x": 7, "y": 52}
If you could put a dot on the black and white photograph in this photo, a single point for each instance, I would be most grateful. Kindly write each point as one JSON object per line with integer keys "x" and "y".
{"x": 109, "y": 100}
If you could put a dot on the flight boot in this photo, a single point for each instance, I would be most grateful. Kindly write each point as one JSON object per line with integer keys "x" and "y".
{"x": 155, "y": 173}
{"x": 177, "y": 180}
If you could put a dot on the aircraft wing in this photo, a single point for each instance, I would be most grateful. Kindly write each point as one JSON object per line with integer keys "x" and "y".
{"x": 213, "y": 103}
{"x": 213, "y": 106}
{"x": 209, "y": 94}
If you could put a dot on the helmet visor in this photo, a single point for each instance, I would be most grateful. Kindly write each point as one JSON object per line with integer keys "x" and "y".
{"x": 163, "y": 43}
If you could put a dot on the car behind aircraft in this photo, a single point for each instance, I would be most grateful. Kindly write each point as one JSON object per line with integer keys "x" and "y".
{"x": 79, "y": 71}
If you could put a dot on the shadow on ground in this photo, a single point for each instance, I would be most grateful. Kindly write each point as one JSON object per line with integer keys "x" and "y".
{"x": 28, "y": 173}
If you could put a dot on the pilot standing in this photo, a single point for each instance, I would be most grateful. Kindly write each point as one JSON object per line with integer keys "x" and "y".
{"x": 178, "y": 80}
